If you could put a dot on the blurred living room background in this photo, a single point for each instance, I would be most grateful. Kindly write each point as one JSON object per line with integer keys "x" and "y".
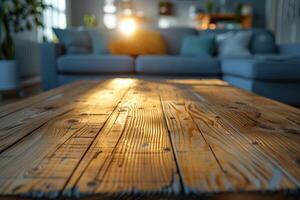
{"x": 281, "y": 17}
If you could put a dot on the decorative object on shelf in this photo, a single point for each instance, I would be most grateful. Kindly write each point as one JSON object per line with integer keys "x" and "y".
{"x": 223, "y": 21}
{"x": 210, "y": 6}
{"x": 223, "y": 6}
{"x": 244, "y": 15}
{"x": 127, "y": 8}
{"x": 90, "y": 21}
{"x": 247, "y": 9}
{"x": 15, "y": 17}
{"x": 165, "y": 8}
{"x": 192, "y": 12}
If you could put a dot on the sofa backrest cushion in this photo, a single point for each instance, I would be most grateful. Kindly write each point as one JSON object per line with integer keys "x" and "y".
{"x": 142, "y": 42}
{"x": 234, "y": 44}
{"x": 198, "y": 46}
{"x": 262, "y": 40}
{"x": 75, "y": 40}
{"x": 99, "y": 40}
{"x": 174, "y": 36}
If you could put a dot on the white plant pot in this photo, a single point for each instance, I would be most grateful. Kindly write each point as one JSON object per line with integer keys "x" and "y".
{"x": 9, "y": 79}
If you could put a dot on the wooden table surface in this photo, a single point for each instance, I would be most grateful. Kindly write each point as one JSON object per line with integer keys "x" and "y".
{"x": 149, "y": 138}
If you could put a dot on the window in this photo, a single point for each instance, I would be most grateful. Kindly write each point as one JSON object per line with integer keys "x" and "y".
{"x": 110, "y": 17}
{"x": 54, "y": 17}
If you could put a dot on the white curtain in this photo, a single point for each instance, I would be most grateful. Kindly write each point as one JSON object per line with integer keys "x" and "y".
{"x": 283, "y": 17}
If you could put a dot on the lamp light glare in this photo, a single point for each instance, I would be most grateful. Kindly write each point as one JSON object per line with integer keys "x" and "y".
{"x": 128, "y": 26}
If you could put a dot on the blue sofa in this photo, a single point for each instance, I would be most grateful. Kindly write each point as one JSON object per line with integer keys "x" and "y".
{"x": 273, "y": 71}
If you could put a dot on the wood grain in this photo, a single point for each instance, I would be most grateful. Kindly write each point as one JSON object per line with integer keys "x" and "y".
{"x": 5, "y": 110}
{"x": 61, "y": 134}
{"x": 249, "y": 172}
{"x": 149, "y": 138}
{"x": 135, "y": 152}
{"x": 197, "y": 164}
{"x": 24, "y": 121}
{"x": 270, "y": 131}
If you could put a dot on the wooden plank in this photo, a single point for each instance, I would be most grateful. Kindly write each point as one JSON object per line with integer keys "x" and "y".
{"x": 271, "y": 132}
{"x": 135, "y": 152}
{"x": 137, "y": 138}
{"x": 192, "y": 82}
{"x": 38, "y": 152}
{"x": 20, "y": 123}
{"x": 8, "y": 109}
{"x": 197, "y": 163}
{"x": 245, "y": 167}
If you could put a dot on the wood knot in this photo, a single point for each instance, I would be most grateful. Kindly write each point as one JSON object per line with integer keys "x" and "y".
{"x": 240, "y": 103}
{"x": 97, "y": 154}
{"x": 15, "y": 189}
{"x": 298, "y": 161}
{"x": 167, "y": 149}
{"x": 292, "y": 131}
{"x": 172, "y": 117}
{"x": 50, "y": 187}
{"x": 71, "y": 121}
{"x": 92, "y": 183}
{"x": 48, "y": 108}
{"x": 254, "y": 142}
{"x": 145, "y": 145}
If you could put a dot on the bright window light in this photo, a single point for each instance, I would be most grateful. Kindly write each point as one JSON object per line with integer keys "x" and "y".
{"x": 110, "y": 17}
{"x": 128, "y": 26}
{"x": 110, "y": 21}
{"x": 110, "y": 6}
{"x": 163, "y": 23}
{"x": 55, "y": 16}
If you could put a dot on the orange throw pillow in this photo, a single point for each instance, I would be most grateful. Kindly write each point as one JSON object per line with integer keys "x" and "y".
{"x": 140, "y": 43}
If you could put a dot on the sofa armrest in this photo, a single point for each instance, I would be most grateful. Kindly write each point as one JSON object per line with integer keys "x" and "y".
{"x": 49, "y": 53}
{"x": 291, "y": 49}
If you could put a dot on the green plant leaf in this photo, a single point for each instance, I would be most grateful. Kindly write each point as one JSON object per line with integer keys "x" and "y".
{"x": 17, "y": 16}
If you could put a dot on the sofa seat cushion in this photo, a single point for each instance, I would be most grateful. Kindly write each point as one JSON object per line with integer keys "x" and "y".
{"x": 177, "y": 65}
{"x": 270, "y": 67}
{"x": 287, "y": 92}
{"x": 91, "y": 64}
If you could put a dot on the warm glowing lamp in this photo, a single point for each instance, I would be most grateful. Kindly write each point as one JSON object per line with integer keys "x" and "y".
{"x": 128, "y": 26}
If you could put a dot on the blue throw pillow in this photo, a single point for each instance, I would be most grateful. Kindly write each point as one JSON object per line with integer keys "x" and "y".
{"x": 76, "y": 41}
{"x": 263, "y": 42}
{"x": 233, "y": 45}
{"x": 99, "y": 39}
{"x": 198, "y": 46}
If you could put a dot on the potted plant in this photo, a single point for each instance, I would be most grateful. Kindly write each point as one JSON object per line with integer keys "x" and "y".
{"x": 15, "y": 16}
{"x": 210, "y": 6}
